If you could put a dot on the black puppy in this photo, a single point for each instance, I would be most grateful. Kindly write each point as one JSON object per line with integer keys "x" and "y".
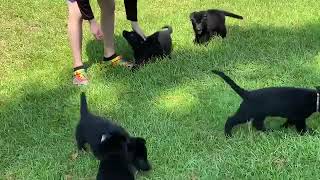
{"x": 207, "y": 24}
{"x": 104, "y": 137}
{"x": 295, "y": 104}
{"x": 98, "y": 132}
{"x": 159, "y": 44}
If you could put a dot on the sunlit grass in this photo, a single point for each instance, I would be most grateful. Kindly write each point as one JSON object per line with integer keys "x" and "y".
{"x": 176, "y": 104}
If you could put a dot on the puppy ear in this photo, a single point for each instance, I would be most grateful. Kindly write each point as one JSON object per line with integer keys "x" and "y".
{"x": 124, "y": 32}
{"x": 191, "y": 16}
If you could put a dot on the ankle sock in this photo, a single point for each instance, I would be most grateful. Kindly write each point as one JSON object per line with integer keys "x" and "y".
{"x": 78, "y": 67}
{"x": 110, "y": 57}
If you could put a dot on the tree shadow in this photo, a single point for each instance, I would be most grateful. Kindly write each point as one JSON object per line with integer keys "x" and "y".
{"x": 278, "y": 53}
{"x": 169, "y": 97}
{"x": 255, "y": 56}
{"x": 33, "y": 126}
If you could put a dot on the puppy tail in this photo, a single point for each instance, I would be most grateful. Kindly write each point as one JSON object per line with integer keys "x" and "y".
{"x": 167, "y": 28}
{"x": 83, "y": 105}
{"x": 240, "y": 91}
{"x": 226, "y": 13}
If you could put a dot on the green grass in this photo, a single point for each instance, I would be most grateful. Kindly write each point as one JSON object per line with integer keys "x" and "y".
{"x": 175, "y": 104}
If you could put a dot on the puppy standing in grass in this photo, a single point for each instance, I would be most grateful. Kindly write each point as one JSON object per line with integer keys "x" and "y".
{"x": 295, "y": 104}
{"x": 159, "y": 44}
{"x": 207, "y": 24}
{"x": 98, "y": 132}
{"x": 109, "y": 143}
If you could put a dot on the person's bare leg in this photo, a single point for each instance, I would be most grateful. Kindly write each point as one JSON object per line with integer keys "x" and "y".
{"x": 75, "y": 32}
{"x": 107, "y": 24}
{"x": 75, "y": 39}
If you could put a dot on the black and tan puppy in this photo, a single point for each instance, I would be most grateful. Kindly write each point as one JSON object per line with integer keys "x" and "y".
{"x": 294, "y": 104}
{"x": 159, "y": 44}
{"x": 105, "y": 137}
{"x": 210, "y": 23}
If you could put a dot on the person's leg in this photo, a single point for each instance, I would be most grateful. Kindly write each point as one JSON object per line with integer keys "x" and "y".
{"x": 75, "y": 38}
{"x": 75, "y": 32}
{"x": 107, "y": 24}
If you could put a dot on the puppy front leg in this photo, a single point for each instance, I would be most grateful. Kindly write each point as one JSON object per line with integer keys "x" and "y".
{"x": 101, "y": 173}
{"x": 258, "y": 123}
{"x": 238, "y": 118}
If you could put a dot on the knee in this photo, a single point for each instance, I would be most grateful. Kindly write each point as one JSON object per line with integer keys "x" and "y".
{"x": 74, "y": 17}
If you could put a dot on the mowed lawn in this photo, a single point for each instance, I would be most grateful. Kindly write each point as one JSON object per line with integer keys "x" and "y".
{"x": 176, "y": 104}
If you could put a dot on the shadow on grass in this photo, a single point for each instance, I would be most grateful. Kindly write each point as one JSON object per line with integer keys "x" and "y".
{"x": 170, "y": 97}
{"x": 33, "y": 129}
{"x": 243, "y": 45}
{"x": 254, "y": 57}
{"x": 263, "y": 55}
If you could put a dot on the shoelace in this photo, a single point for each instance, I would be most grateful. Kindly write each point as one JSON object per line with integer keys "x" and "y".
{"x": 116, "y": 60}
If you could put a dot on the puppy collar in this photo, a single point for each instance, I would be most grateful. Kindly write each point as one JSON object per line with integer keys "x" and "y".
{"x": 317, "y": 102}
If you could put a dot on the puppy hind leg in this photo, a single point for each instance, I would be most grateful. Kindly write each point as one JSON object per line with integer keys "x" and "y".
{"x": 238, "y": 118}
{"x": 222, "y": 31}
{"x": 80, "y": 140}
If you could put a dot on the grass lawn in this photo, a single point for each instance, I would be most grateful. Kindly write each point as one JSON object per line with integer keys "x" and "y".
{"x": 175, "y": 104}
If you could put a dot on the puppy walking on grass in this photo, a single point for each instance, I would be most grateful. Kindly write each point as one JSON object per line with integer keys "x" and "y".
{"x": 98, "y": 132}
{"x": 210, "y": 23}
{"x": 119, "y": 153}
{"x": 294, "y": 104}
{"x": 159, "y": 44}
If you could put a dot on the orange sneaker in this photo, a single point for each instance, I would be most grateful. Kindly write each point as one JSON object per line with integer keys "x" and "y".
{"x": 119, "y": 61}
{"x": 80, "y": 77}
